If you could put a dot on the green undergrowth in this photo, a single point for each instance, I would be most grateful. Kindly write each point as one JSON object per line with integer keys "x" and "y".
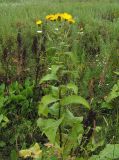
{"x": 59, "y": 87}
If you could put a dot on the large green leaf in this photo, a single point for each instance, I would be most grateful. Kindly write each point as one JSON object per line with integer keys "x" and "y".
{"x": 70, "y": 119}
{"x": 53, "y": 75}
{"x": 75, "y": 131}
{"x": 48, "y": 99}
{"x": 54, "y": 109}
{"x": 43, "y": 106}
{"x": 43, "y": 110}
{"x": 49, "y": 77}
{"x": 55, "y": 91}
{"x": 49, "y": 127}
{"x": 73, "y": 87}
{"x": 110, "y": 152}
{"x": 74, "y": 99}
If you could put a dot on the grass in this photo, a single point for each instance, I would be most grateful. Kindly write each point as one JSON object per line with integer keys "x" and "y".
{"x": 26, "y": 12}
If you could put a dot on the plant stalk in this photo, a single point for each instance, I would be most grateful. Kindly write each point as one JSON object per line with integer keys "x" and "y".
{"x": 59, "y": 116}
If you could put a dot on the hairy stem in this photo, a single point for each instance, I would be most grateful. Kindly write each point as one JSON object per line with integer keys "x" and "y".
{"x": 59, "y": 116}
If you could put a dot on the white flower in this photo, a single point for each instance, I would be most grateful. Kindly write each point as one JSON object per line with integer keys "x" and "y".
{"x": 39, "y": 31}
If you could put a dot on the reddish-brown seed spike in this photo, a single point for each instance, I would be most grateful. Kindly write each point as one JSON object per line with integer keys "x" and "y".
{"x": 24, "y": 56}
{"x": 19, "y": 39}
{"x": 35, "y": 45}
{"x": 5, "y": 54}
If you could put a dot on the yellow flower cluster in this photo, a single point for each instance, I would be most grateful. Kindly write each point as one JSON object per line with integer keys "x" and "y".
{"x": 60, "y": 17}
{"x": 57, "y": 17}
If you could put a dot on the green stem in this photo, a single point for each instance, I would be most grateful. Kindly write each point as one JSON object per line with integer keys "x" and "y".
{"x": 59, "y": 116}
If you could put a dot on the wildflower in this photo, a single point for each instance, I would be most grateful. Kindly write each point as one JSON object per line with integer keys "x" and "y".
{"x": 33, "y": 152}
{"x": 48, "y": 17}
{"x": 39, "y": 31}
{"x": 38, "y": 22}
{"x": 71, "y": 21}
{"x": 66, "y": 16}
{"x": 60, "y": 17}
{"x": 51, "y": 17}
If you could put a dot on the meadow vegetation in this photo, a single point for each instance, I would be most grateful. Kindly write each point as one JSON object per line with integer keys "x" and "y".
{"x": 59, "y": 79}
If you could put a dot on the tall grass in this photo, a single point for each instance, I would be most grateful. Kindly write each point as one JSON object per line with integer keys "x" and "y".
{"x": 100, "y": 20}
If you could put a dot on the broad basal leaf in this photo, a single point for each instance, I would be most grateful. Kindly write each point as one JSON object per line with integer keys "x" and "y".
{"x": 76, "y": 130}
{"x": 49, "y": 127}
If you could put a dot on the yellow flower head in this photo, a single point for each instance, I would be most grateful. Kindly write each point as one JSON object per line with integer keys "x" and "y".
{"x": 66, "y": 16}
{"x": 71, "y": 21}
{"x": 58, "y": 16}
{"x": 38, "y": 22}
{"x": 51, "y": 17}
